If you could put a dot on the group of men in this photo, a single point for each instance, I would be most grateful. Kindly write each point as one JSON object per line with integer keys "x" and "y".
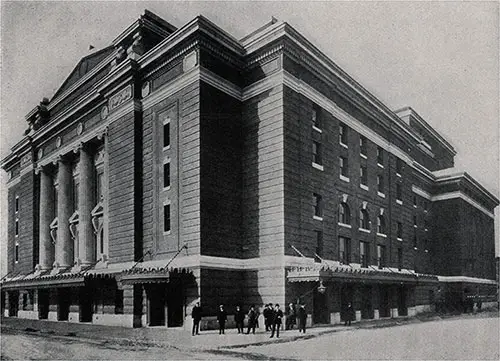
{"x": 273, "y": 317}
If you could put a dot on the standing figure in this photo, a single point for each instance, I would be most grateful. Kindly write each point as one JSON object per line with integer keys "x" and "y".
{"x": 252, "y": 320}
{"x": 302, "y": 318}
{"x": 221, "y": 318}
{"x": 290, "y": 317}
{"x": 196, "y": 315}
{"x": 277, "y": 316}
{"x": 349, "y": 314}
{"x": 239, "y": 317}
{"x": 267, "y": 317}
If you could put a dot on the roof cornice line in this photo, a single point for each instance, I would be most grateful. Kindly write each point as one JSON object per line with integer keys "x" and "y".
{"x": 83, "y": 80}
{"x": 455, "y": 177}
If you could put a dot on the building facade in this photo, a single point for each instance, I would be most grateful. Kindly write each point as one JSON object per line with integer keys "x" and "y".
{"x": 183, "y": 165}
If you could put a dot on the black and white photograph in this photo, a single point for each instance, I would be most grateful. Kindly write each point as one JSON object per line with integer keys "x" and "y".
{"x": 249, "y": 180}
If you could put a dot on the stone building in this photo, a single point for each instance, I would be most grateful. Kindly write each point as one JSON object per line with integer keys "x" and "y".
{"x": 184, "y": 165}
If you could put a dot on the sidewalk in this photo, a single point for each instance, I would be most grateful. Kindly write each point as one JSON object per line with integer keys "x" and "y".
{"x": 175, "y": 338}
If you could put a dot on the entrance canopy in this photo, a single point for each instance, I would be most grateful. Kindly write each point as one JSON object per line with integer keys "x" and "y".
{"x": 340, "y": 272}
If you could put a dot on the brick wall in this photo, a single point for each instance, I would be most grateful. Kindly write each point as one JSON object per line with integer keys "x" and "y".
{"x": 220, "y": 202}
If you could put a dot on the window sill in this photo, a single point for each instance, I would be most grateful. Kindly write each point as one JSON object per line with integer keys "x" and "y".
{"x": 364, "y": 230}
{"x": 415, "y": 226}
{"x": 398, "y": 175}
{"x": 363, "y": 155}
{"x": 317, "y": 129}
{"x": 365, "y": 187}
{"x": 400, "y": 202}
{"x": 415, "y": 206}
{"x": 344, "y": 145}
{"x": 166, "y": 188}
{"x": 415, "y": 248}
{"x": 426, "y": 251}
{"x": 382, "y": 235}
{"x": 380, "y": 194}
{"x": 318, "y": 218}
{"x": 167, "y": 147}
{"x": 344, "y": 178}
{"x": 400, "y": 239}
{"x": 167, "y": 233}
{"x": 344, "y": 225}
{"x": 380, "y": 165}
{"x": 318, "y": 166}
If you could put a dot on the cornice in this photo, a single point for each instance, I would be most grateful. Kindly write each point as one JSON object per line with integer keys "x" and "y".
{"x": 449, "y": 279}
{"x": 463, "y": 196}
{"x": 193, "y": 45}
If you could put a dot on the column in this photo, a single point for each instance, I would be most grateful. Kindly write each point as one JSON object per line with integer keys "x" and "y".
{"x": 85, "y": 206}
{"x": 64, "y": 244}
{"x": 46, "y": 250}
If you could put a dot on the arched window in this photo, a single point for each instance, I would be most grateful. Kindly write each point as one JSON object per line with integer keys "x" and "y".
{"x": 344, "y": 213}
{"x": 381, "y": 224}
{"x": 364, "y": 219}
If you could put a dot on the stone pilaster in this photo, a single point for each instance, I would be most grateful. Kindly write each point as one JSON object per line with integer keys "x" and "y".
{"x": 86, "y": 203}
{"x": 64, "y": 244}
{"x": 46, "y": 250}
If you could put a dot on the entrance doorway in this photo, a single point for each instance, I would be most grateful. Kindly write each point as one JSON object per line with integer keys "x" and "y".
{"x": 13, "y": 303}
{"x": 43, "y": 304}
{"x": 175, "y": 301}
{"x": 385, "y": 305}
{"x": 156, "y": 304}
{"x": 320, "y": 308}
{"x": 402, "y": 309}
{"x": 346, "y": 297}
{"x": 63, "y": 302}
{"x": 366, "y": 303}
{"x": 85, "y": 304}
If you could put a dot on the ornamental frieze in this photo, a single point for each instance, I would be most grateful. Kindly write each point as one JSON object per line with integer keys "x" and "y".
{"x": 121, "y": 97}
{"x": 26, "y": 160}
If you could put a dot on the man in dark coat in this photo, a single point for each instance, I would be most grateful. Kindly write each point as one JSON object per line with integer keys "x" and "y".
{"x": 252, "y": 320}
{"x": 196, "y": 315}
{"x": 349, "y": 314}
{"x": 239, "y": 317}
{"x": 277, "y": 316}
{"x": 302, "y": 318}
{"x": 267, "y": 317}
{"x": 290, "y": 317}
{"x": 221, "y": 318}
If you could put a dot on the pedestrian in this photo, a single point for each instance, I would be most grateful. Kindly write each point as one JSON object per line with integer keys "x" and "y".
{"x": 221, "y": 319}
{"x": 276, "y": 319}
{"x": 349, "y": 314}
{"x": 268, "y": 310}
{"x": 252, "y": 319}
{"x": 239, "y": 317}
{"x": 196, "y": 315}
{"x": 290, "y": 317}
{"x": 302, "y": 318}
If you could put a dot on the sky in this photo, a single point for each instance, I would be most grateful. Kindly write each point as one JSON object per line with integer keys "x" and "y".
{"x": 440, "y": 58}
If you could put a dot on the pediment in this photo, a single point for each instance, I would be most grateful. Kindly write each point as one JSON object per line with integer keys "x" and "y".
{"x": 85, "y": 65}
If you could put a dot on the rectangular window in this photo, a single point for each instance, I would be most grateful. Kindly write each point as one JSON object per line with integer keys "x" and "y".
{"x": 317, "y": 205}
{"x": 415, "y": 221}
{"x": 414, "y": 201}
{"x": 344, "y": 250}
{"x": 344, "y": 167}
{"x": 16, "y": 207}
{"x": 380, "y": 155}
{"x": 317, "y": 158}
{"x": 399, "y": 166}
{"x": 381, "y": 256}
{"x": 166, "y": 218}
{"x": 364, "y": 253}
{"x": 16, "y": 255}
{"x": 316, "y": 116}
{"x": 166, "y": 135}
{"x": 380, "y": 183}
{"x": 319, "y": 245}
{"x": 166, "y": 175}
{"x": 17, "y": 227}
{"x": 400, "y": 230}
{"x": 399, "y": 193}
{"x": 363, "y": 176}
{"x": 343, "y": 134}
{"x": 415, "y": 240}
{"x": 362, "y": 145}
{"x": 400, "y": 259}
{"x": 118, "y": 302}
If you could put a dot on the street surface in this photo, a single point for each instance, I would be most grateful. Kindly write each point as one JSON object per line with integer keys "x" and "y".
{"x": 457, "y": 339}
{"x": 448, "y": 339}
